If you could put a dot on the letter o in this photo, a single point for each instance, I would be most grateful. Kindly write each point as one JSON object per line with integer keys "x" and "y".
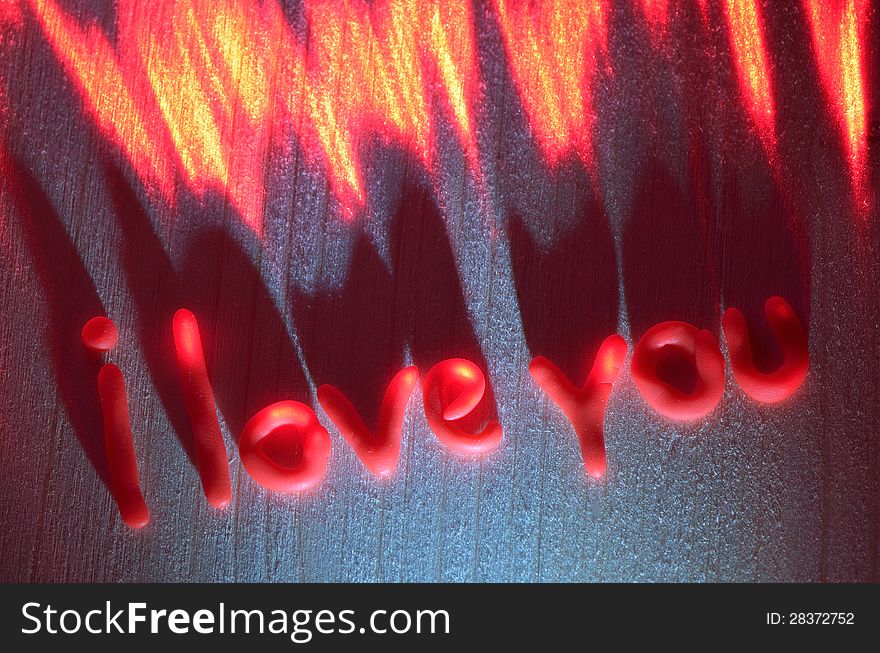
{"x": 301, "y": 424}
{"x": 394, "y": 615}
{"x": 701, "y": 349}
{"x": 77, "y": 621}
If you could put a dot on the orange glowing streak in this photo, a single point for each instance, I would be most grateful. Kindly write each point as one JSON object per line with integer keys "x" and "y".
{"x": 371, "y": 70}
{"x": 838, "y": 29}
{"x": 184, "y": 106}
{"x": 657, "y": 14}
{"x": 221, "y": 83}
{"x": 107, "y": 95}
{"x": 207, "y": 73}
{"x": 752, "y": 65}
{"x": 554, "y": 51}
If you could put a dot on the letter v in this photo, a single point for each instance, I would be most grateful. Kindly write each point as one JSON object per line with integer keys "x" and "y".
{"x": 585, "y": 406}
{"x": 378, "y": 451}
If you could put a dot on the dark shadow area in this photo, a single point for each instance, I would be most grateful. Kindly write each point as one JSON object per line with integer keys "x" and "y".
{"x": 567, "y": 291}
{"x": 766, "y": 208}
{"x": 761, "y": 256}
{"x": 71, "y": 300}
{"x": 251, "y": 360}
{"x": 348, "y": 335}
{"x": 354, "y": 336}
{"x": 431, "y": 310}
{"x": 156, "y": 293}
{"x": 667, "y": 269}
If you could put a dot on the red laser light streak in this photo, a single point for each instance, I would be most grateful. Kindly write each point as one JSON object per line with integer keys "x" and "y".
{"x": 772, "y": 387}
{"x": 119, "y": 444}
{"x": 554, "y": 50}
{"x": 379, "y": 450}
{"x": 751, "y": 58}
{"x": 4, "y": 175}
{"x": 838, "y": 29}
{"x": 210, "y": 452}
{"x": 370, "y": 69}
{"x": 585, "y": 406}
{"x": 106, "y": 92}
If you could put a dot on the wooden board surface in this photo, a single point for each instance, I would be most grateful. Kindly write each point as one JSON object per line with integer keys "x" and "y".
{"x": 682, "y": 215}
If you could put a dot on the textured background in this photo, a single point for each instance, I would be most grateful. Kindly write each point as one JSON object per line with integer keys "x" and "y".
{"x": 681, "y": 216}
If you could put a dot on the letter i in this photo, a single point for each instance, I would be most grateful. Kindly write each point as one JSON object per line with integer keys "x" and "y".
{"x": 100, "y": 335}
{"x": 211, "y": 461}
